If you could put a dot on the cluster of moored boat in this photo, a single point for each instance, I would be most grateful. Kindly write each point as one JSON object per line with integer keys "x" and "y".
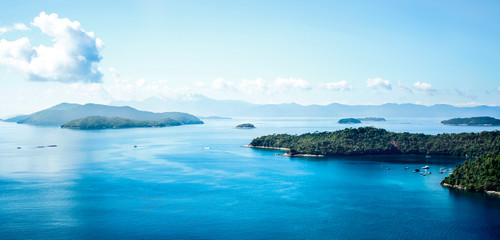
{"x": 424, "y": 172}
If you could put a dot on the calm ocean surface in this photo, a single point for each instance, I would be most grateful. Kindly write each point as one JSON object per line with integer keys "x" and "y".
{"x": 197, "y": 182}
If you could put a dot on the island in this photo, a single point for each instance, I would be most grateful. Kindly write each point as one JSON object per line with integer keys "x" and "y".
{"x": 65, "y": 112}
{"x": 480, "y": 175}
{"x": 349, "y": 121}
{"x": 378, "y": 141}
{"x": 245, "y": 125}
{"x": 100, "y": 122}
{"x": 473, "y": 121}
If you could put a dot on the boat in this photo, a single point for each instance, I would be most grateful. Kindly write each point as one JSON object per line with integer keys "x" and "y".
{"x": 423, "y": 174}
{"x": 426, "y": 167}
{"x": 406, "y": 168}
{"x": 388, "y": 168}
{"x": 427, "y": 156}
{"x": 416, "y": 170}
{"x": 429, "y": 173}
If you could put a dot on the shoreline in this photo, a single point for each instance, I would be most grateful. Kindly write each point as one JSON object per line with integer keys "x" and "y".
{"x": 287, "y": 154}
{"x": 489, "y": 192}
{"x": 275, "y": 148}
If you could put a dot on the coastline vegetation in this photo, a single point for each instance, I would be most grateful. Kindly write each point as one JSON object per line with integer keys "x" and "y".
{"x": 245, "y": 125}
{"x": 473, "y": 121}
{"x": 376, "y": 141}
{"x": 349, "y": 120}
{"x": 482, "y": 174}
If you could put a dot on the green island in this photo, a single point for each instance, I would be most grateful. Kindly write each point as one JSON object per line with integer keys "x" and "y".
{"x": 100, "y": 122}
{"x": 349, "y": 121}
{"x": 473, "y": 121}
{"x": 245, "y": 125}
{"x": 482, "y": 174}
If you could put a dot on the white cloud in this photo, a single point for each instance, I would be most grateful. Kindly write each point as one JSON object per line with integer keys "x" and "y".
{"x": 378, "y": 82}
{"x": 336, "y": 86}
{"x": 16, "y": 26}
{"x": 74, "y": 56}
{"x": 422, "y": 86}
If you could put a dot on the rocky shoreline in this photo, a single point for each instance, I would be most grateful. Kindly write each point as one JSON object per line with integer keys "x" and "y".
{"x": 464, "y": 188}
{"x": 287, "y": 154}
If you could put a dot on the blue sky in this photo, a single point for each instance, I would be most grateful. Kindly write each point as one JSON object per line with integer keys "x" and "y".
{"x": 352, "y": 52}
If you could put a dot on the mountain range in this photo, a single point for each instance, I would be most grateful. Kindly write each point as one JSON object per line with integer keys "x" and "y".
{"x": 203, "y": 106}
{"x": 65, "y": 112}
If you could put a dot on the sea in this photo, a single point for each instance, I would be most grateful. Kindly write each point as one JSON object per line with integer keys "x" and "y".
{"x": 198, "y": 182}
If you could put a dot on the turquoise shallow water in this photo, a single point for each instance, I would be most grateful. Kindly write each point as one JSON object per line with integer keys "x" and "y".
{"x": 197, "y": 182}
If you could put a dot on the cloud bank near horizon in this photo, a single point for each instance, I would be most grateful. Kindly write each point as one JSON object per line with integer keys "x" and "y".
{"x": 74, "y": 56}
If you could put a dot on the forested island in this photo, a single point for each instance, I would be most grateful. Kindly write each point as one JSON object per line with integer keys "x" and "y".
{"x": 349, "y": 121}
{"x": 482, "y": 174}
{"x": 473, "y": 121}
{"x": 100, "y": 122}
{"x": 245, "y": 125}
{"x": 360, "y": 120}
{"x": 376, "y": 141}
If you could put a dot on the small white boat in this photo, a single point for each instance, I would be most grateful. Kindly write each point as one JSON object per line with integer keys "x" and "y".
{"x": 426, "y": 167}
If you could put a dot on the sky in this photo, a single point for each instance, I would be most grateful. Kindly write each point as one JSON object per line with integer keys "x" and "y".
{"x": 307, "y": 52}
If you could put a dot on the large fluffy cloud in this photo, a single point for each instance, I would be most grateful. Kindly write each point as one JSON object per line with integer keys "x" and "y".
{"x": 74, "y": 56}
{"x": 378, "y": 83}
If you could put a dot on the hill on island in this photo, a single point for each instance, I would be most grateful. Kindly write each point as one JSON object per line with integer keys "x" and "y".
{"x": 349, "y": 121}
{"x": 473, "y": 121}
{"x": 99, "y": 122}
{"x": 245, "y": 125}
{"x": 65, "y": 112}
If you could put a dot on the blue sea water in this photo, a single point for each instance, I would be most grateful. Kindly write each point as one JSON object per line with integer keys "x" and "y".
{"x": 197, "y": 182}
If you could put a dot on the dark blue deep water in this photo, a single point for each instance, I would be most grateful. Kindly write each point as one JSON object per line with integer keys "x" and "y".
{"x": 197, "y": 182}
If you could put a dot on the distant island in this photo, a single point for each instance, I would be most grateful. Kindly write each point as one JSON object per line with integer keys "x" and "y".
{"x": 349, "y": 121}
{"x": 473, "y": 121}
{"x": 245, "y": 125}
{"x": 65, "y": 112}
{"x": 100, "y": 122}
{"x": 360, "y": 120}
{"x": 377, "y": 141}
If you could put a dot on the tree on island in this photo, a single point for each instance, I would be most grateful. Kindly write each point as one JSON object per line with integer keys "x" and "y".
{"x": 349, "y": 120}
{"x": 245, "y": 125}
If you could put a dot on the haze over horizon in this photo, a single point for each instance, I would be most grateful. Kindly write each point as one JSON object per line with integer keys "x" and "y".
{"x": 320, "y": 52}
